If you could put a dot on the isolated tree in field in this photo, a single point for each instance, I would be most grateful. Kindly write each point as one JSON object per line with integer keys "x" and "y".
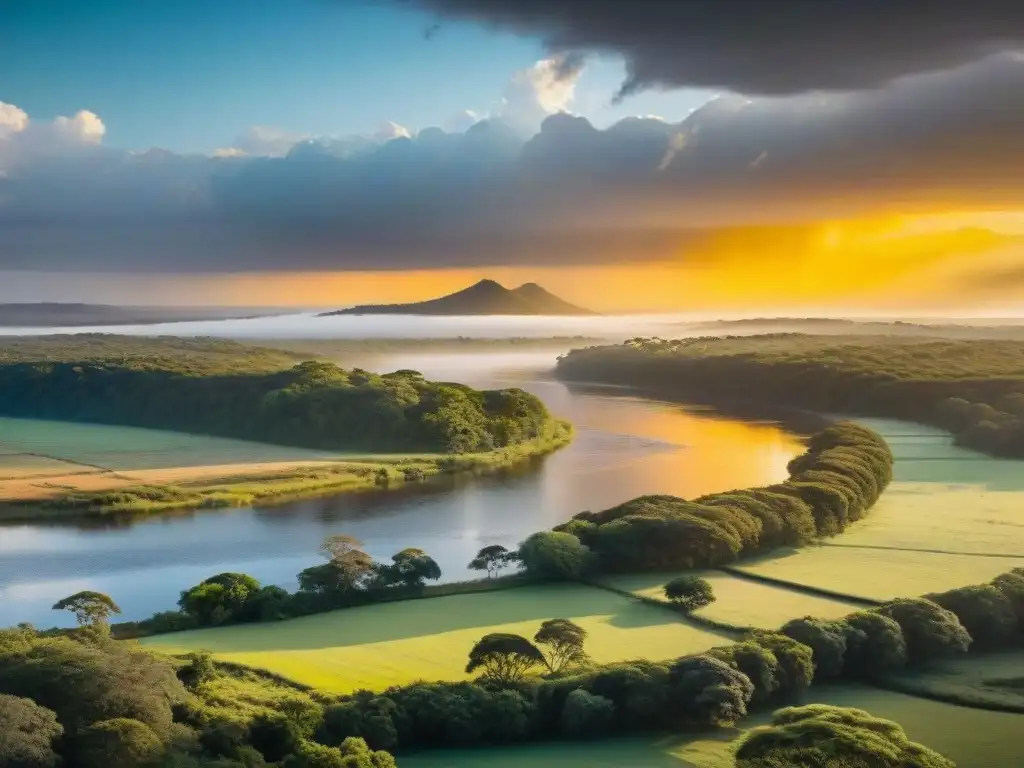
{"x": 349, "y": 561}
{"x": 563, "y": 642}
{"x": 27, "y": 734}
{"x": 554, "y": 555}
{"x": 492, "y": 559}
{"x": 90, "y": 608}
{"x": 505, "y": 658}
{"x": 689, "y": 592}
{"x": 822, "y": 735}
{"x": 411, "y": 567}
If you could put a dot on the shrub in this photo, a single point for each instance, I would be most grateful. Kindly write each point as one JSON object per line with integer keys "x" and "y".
{"x": 554, "y": 555}
{"x": 827, "y": 639}
{"x": 123, "y": 742}
{"x": 930, "y": 630}
{"x": 690, "y": 592}
{"x": 586, "y": 715}
{"x": 985, "y": 612}
{"x": 875, "y": 645}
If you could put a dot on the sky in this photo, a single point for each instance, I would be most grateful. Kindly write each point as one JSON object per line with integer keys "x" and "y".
{"x": 629, "y": 155}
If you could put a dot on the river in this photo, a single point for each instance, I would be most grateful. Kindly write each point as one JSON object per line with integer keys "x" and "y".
{"x": 625, "y": 446}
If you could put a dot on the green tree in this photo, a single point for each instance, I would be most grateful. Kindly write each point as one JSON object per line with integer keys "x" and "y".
{"x": 27, "y": 734}
{"x": 219, "y": 599}
{"x": 709, "y": 692}
{"x": 563, "y": 640}
{"x": 411, "y": 567}
{"x": 690, "y": 592}
{"x": 985, "y": 612}
{"x": 122, "y": 741}
{"x": 505, "y": 658}
{"x": 554, "y": 555}
{"x": 586, "y": 715}
{"x": 822, "y": 736}
{"x": 826, "y": 638}
{"x": 492, "y": 558}
{"x": 351, "y": 564}
{"x": 90, "y": 608}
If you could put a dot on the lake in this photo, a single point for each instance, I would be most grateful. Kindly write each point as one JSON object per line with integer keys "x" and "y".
{"x": 625, "y": 446}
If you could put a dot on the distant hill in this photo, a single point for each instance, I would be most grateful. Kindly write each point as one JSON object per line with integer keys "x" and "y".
{"x": 484, "y": 298}
{"x": 59, "y": 314}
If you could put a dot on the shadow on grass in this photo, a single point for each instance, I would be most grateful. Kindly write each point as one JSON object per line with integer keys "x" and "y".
{"x": 418, "y": 618}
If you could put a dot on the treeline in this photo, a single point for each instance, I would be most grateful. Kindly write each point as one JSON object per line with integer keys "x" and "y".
{"x": 95, "y": 702}
{"x": 715, "y": 688}
{"x": 974, "y": 388}
{"x": 312, "y": 405}
{"x": 840, "y": 476}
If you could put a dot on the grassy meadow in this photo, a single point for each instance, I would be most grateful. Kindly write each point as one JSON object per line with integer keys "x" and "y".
{"x": 992, "y": 680}
{"x": 972, "y": 738}
{"x": 393, "y": 643}
{"x": 951, "y": 517}
{"x": 740, "y": 602}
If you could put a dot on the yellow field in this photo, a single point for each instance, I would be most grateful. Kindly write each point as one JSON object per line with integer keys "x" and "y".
{"x": 741, "y": 602}
{"x": 393, "y": 643}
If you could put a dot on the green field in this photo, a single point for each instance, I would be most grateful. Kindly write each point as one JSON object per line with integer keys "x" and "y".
{"x": 993, "y": 680}
{"x": 129, "y": 448}
{"x": 972, "y": 738}
{"x": 952, "y": 517}
{"x": 741, "y": 602}
{"x": 393, "y": 643}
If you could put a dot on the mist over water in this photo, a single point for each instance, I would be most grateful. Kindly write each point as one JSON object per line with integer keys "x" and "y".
{"x": 310, "y": 326}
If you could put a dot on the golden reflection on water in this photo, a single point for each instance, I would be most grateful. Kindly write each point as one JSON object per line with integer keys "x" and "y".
{"x": 712, "y": 452}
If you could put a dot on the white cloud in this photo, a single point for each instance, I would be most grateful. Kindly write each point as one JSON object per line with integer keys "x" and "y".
{"x": 544, "y": 89}
{"x": 389, "y": 130}
{"x": 12, "y": 120}
{"x": 268, "y": 141}
{"x": 85, "y": 127}
{"x": 463, "y": 121}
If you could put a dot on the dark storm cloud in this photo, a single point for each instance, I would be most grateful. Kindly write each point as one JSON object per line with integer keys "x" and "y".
{"x": 760, "y": 46}
{"x": 571, "y": 194}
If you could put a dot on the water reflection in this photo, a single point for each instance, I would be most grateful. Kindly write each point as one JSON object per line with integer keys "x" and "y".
{"x": 625, "y": 446}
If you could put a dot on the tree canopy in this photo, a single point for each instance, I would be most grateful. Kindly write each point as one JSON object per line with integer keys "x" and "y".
{"x": 89, "y": 607}
{"x": 505, "y": 658}
{"x": 690, "y": 592}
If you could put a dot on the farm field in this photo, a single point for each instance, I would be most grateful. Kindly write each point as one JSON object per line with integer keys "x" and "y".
{"x": 972, "y": 738}
{"x": 381, "y": 645}
{"x": 951, "y": 517}
{"x": 986, "y": 680}
{"x": 739, "y": 601}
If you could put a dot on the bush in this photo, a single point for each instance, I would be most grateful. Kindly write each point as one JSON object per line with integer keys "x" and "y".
{"x": 930, "y": 630}
{"x": 823, "y": 736}
{"x": 985, "y": 612}
{"x": 796, "y": 663}
{"x": 827, "y": 639}
{"x": 756, "y": 662}
{"x": 875, "y": 645}
{"x": 27, "y": 734}
{"x": 554, "y": 555}
{"x": 709, "y": 692}
{"x": 586, "y": 715}
{"x": 690, "y": 592}
{"x": 123, "y": 742}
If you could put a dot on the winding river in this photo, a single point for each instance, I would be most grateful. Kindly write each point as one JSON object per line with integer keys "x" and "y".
{"x": 625, "y": 446}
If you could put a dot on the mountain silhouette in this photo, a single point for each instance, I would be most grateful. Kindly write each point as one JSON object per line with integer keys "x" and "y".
{"x": 484, "y": 298}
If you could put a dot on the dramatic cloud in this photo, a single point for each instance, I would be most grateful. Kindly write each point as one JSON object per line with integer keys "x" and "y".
{"x": 642, "y": 190}
{"x": 755, "y": 47}
{"x": 544, "y": 89}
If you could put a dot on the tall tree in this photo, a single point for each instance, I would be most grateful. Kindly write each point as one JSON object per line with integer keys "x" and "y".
{"x": 505, "y": 658}
{"x": 348, "y": 559}
{"x": 492, "y": 559}
{"x": 411, "y": 567}
{"x": 564, "y": 643}
{"x": 90, "y": 608}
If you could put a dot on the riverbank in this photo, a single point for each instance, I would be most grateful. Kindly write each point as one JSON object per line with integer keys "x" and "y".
{"x": 240, "y": 485}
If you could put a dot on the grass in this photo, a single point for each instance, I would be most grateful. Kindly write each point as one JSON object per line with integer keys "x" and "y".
{"x": 972, "y": 738}
{"x": 952, "y": 517}
{"x": 156, "y": 471}
{"x": 741, "y": 602}
{"x": 987, "y": 681}
{"x": 394, "y": 643}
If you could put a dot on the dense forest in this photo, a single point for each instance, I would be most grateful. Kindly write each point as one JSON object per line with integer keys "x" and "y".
{"x": 229, "y": 390}
{"x": 974, "y": 388}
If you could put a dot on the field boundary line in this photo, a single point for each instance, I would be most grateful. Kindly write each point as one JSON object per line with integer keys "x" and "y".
{"x": 731, "y": 630}
{"x": 925, "y": 551}
{"x": 909, "y": 689}
{"x": 806, "y": 589}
